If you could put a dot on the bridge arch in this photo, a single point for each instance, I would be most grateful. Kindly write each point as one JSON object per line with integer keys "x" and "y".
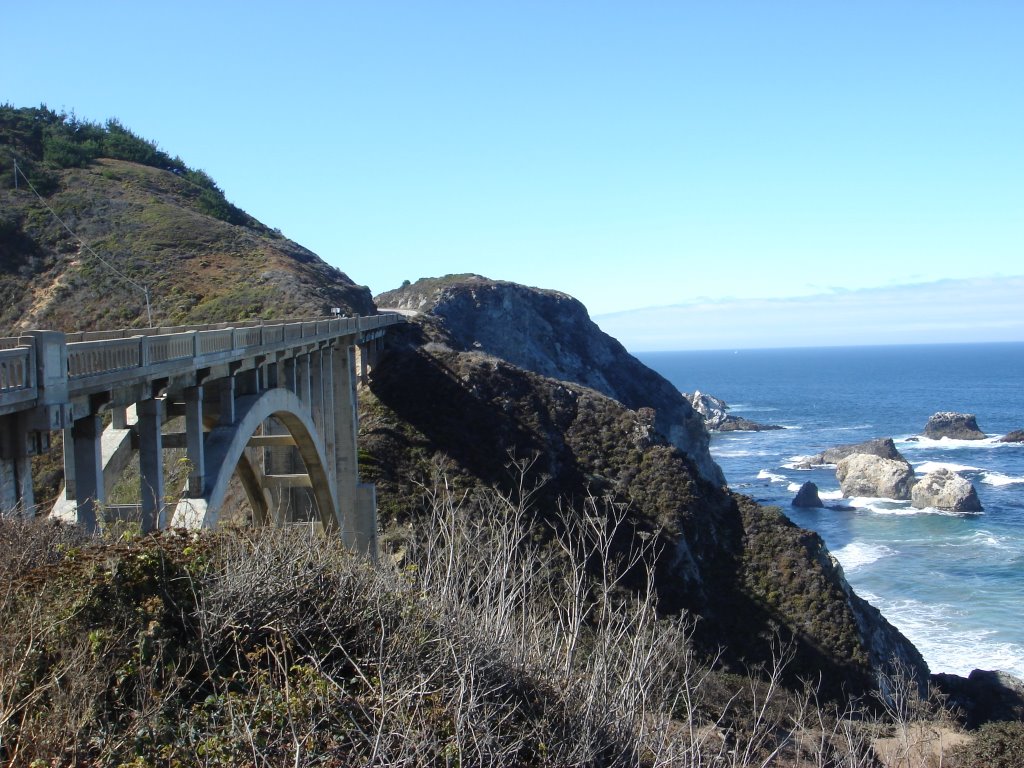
{"x": 224, "y": 449}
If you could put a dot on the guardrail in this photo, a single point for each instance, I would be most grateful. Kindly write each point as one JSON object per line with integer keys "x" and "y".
{"x": 104, "y": 356}
{"x": 105, "y": 352}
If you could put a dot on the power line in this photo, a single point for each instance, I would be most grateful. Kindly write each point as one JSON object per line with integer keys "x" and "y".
{"x": 107, "y": 264}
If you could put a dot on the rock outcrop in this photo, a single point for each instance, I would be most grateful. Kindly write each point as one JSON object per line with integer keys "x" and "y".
{"x": 863, "y": 474}
{"x": 442, "y": 397}
{"x": 983, "y": 696}
{"x": 551, "y": 333}
{"x": 883, "y": 447}
{"x": 714, "y": 412}
{"x": 1017, "y": 436}
{"x": 955, "y": 426}
{"x": 808, "y": 496}
{"x": 945, "y": 490}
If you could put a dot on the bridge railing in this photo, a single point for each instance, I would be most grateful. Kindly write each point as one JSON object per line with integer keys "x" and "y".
{"x": 17, "y": 371}
{"x": 109, "y": 352}
{"x": 87, "y": 358}
{"x": 104, "y": 352}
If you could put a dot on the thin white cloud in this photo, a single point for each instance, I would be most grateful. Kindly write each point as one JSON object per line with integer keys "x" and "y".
{"x": 990, "y": 309}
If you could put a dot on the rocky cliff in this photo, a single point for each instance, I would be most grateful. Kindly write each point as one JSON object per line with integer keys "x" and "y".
{"x": 551, "y": 333}
{"x": 485, "y": 375}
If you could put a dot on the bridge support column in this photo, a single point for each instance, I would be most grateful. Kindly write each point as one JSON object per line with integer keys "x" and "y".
{"x": 316, "y": 389}
{"x": 356, "y": 513}
{"x": 88, "y": 462}
{"x": 69, "y": 465}
{"x": 194, "y": 446}
{"x": 119, "y": 417}
{"x": 289, "y": 382}
{"x": 302, "y": 376}
{"x": 227, "y": 400}
{"x": 15, "y": 467}
{"x": 151, "y": 464}
{"x": 327, "y": 430}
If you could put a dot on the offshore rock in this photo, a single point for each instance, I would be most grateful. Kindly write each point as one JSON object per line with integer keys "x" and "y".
{"x": 863, "y": 474}
{"x": 947, "y": 490}
{"x": 883, "y": 447}
{"x": 807, "y": 496}
{"x": 550, "y": 333}
{"x": 1017, "y": 436}
{"x": 955, "y": 426}
{"x": 713, "y": 410}
{"x": 984, "y": 696}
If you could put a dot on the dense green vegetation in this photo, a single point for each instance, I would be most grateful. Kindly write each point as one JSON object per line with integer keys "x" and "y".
{"x": 42, "y": 140}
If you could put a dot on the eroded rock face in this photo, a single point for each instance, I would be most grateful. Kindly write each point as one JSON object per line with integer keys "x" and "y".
{"x": 550, "y": 333}
{"x": 883, "y": 446}
{"x": 1017, "y": 436}
{"x": 956, "y": 426}
{"x": 863, "y": 474}
{"x": 807, "y": 496}
{"x": 713, "y": 410}
{"x": 947, "y": 490}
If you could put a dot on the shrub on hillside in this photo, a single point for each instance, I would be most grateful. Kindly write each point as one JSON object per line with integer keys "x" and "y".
{"x": 995, "y": 745}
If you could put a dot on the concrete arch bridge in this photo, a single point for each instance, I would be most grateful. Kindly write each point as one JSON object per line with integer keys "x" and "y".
{"x": 271, "y": 404}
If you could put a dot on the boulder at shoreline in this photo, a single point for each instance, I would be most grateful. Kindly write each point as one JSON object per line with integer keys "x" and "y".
{"x": 1017, "y": 436}
{"x": 864, "y": 474}
{"x": 882, "y": 446}
{"x": 955, "y": 426}
{"x": 944, "y": 489}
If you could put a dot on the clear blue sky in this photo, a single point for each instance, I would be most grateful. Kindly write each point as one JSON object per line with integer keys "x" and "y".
{"x": 688, "y": 155}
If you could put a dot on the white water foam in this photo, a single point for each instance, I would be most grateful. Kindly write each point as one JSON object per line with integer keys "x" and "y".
{"x": 988, "y": 539}
{"x": 938, "y": 632}
{"x": 738, "y": 453}
{"x": 794, "y": 487}
{"x": 764, "y": 474}
{"x": 793, "y": 462}
{"x": 858, "y": 554}
{"x": 999, "y": 479}
{"x": 831, "y": 495}
{"x": 881, "y": 506}
{"x": 946, "y": 443}
{"x": 926, "y": 467}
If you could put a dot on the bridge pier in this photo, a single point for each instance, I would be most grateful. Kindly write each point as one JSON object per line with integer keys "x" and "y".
{"x": 194, "y": 448}
{"x": 87, "y": 459}
{"x": 15, "y": 466}
{"x": 151, "y": 464}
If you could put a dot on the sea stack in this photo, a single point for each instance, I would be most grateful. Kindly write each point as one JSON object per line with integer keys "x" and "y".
{"x": 955, "y": 426}
{"x": 808, "y": 496}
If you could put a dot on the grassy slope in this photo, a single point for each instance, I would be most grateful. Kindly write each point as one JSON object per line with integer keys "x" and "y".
{"x": 148, "y": 224}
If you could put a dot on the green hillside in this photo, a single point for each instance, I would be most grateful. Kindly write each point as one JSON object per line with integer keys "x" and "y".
{"x": 85, "y": 194}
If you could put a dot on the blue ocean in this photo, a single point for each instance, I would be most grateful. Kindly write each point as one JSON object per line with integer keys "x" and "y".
{"x": 951, "y": 583}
